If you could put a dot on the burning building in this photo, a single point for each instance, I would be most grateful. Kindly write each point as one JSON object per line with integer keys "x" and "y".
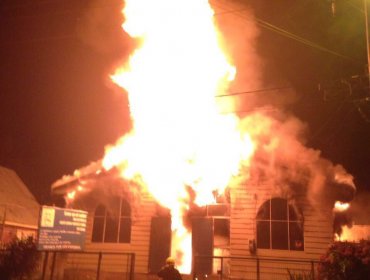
{"x": 288, "y": 214}
{"x": 190, "y": 179}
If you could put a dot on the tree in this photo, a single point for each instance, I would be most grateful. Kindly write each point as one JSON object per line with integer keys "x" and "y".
{"x": 19, "y": 259}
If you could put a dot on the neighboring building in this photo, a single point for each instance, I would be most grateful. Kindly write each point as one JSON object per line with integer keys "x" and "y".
{"x": 255, "y": 220}
{"x": 19, "y": 210}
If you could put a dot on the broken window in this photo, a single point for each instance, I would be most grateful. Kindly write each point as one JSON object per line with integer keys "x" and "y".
{"x": 113, "y": 224}
{"x": 279, "y": 226}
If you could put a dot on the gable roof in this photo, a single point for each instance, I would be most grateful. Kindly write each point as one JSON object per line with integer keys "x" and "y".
{"x": 17, "y": 205}
{"x": 68, "y": 182}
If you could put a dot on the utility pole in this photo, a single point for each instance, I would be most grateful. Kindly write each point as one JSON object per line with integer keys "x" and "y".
{"x": 367, "y": 39}
{"x": 357, "y": 87}
{"x": 3, "y": 225}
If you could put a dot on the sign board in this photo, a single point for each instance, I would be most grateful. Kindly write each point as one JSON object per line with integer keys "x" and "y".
{"x": 61, "y": 229}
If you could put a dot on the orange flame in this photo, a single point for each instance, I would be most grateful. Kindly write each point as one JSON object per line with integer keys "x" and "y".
{"x": 71, "y": 195}
{"x": 355, "y": 233}
{"x": 341, "y": 206}
{"x": 179, "y": 138}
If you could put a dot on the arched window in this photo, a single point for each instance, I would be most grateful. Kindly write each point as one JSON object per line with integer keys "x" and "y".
{"x": 279, "y": 226}
{"x": 113, "y": 224}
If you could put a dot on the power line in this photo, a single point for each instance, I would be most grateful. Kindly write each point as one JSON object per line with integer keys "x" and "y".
{"x": 267, "y": 109}
{"x": 235, "y": 12}
{"x": 253, "y": 91}
{"x": 285, "y": 33}
{"x": 300, "y": 39}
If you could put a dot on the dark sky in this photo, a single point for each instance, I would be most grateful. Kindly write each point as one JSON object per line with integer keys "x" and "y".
{"x": 57, "y": 111}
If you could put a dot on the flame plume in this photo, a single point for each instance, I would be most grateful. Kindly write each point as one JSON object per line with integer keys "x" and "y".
{"x": 179, "y": 138}
{"x": 181, "y": 149}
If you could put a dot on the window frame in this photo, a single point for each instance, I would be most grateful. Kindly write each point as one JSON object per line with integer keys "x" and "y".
{"x": 270, "y": 221}
{"x": 118, "y": 217}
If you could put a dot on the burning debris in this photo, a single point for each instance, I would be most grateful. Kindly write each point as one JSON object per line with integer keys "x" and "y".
{"x": 182, "y": 149}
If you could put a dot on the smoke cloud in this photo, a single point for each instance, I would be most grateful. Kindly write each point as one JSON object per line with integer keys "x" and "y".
{"x": 252, "y": 87}
{"x": 281, "y": 154}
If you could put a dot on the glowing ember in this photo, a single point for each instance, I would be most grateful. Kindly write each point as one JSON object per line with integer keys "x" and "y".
{"x": 179, "y": 138}
{"x": 341, "y": 206}
{"x": 71, "y": 195}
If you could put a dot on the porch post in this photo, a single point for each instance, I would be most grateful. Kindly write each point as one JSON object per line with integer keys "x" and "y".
{"x": 99, "y": 263}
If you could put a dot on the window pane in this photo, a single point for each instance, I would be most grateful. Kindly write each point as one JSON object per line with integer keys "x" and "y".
{"x": 98, "y": 227}
{"x": 125, "y": 208}
{"x": 221, "y": 232}
{"x": 111, "y": 229}
{"x": 296, "y": 236}
{"x": 125, "y": 230}
{"x": 279, "y": 209}
{"x": 100, "y": 211}
{"x": 113, "y": 207}
{"x": 263, "y": 235}
{"x": 264, "y": 211}
{"x": 221, "y": 227}
{"x": 279, "y": 232}
{"x": 292, "y": 214}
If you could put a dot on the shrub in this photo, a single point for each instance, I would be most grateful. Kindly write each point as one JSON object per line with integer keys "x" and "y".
{"x": 346, "y": 260}
{"x": 302, "y": 275}
{"x": 19, "y": 259}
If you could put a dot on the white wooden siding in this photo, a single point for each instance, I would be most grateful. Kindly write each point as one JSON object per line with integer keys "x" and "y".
{"x": 139, "y": 245}
{"x": 245, "y": 202}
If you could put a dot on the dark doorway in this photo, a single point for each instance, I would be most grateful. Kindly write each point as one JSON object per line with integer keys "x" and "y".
{"x": 160, "y": 242}
{"x": 203, "y": 244}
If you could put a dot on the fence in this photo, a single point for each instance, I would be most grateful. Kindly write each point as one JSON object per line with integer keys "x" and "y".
{"x": 58, "y": 265}
{"x": 87, "y": 265}
{"x": 252, "y": 268}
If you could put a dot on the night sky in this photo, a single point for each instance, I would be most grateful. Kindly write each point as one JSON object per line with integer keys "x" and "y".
{"x": 58, "y": 110}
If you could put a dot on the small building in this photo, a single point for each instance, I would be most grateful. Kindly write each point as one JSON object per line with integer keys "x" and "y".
{"x": 19, "y": 210}
{"x": 252, "y": 229}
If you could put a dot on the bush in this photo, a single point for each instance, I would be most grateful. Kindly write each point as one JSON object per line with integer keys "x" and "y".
{"x": 345, "y": 260}
{"x": 303, "y": 275}
{"x": 19, "y": 259}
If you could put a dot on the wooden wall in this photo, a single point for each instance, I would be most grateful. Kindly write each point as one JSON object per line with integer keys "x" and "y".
{"x": 140, "y": 236}
{"x": 8, "y": 233}
{"x": 245, "y": 202}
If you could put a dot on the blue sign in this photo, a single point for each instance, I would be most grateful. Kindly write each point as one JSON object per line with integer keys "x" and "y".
{"x": 61, "y": 229}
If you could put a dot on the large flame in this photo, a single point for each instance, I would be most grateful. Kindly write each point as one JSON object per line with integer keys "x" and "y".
{"x": 355, "y": 233}
{"x": 179, "y": 138}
